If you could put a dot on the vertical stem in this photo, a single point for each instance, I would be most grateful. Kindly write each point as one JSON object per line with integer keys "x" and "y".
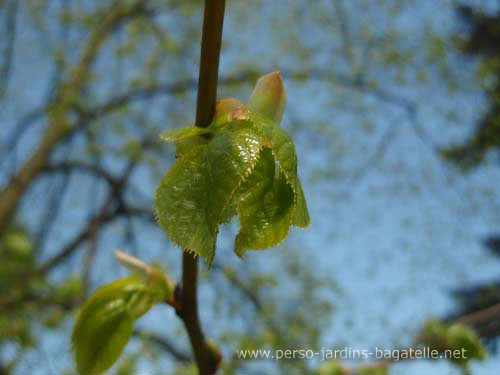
{"x": 209, "y": 61}
{"x": 207, "y": 92}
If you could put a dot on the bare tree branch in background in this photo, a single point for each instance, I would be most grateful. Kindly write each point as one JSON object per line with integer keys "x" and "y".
{"x": 7, "y": 53}
{"x": 59, "y": 126}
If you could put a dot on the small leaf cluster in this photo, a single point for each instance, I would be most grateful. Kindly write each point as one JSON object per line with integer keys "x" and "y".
{"x": 242, "y": 164}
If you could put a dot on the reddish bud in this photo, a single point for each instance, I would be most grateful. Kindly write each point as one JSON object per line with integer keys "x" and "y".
{"x": 227, "y": 106}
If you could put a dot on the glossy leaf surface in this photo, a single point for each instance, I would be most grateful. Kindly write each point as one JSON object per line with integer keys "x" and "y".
{"x": 265, "y": 207}
{"x": 194, "y": 197}
{"x": 243, "y": 163}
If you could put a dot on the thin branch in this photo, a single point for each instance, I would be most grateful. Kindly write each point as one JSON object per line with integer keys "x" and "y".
{"x": 480, "y": 317}
{"x": 98, "y": 221}
{"x": 22, "y": 125}
{"x": 52, "y": 209}
{"x": 113, "y": 207}
{"x": 72, "y": 166}
{"x": 8, "y": 50}
{"x": 152, "y": 91}
{"x": 207, "y": 90}
{"x": 59, "y": 126}
{"x": 345, "y": 33}
{"x": 380, "y": 149}
{"x": 165, "y": 345}
{"x": 89, "y": 259}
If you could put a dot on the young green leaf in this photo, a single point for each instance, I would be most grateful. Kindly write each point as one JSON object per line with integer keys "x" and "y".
{"x": 242, "y": 163}
{"x": 265, "y": 207}
{"x": 195, "y": 195}
{"x": 301, "y": 216}
{"x": 105, "y": 323}
{"x": 284, "y": 152}
{"x": 179, "y": 134}
{"x": 186, "y": 139}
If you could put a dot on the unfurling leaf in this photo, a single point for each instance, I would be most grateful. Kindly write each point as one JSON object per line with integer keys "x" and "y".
{"x": 269, "y": 97}
{"x": 244, "y": 164}
{"x": 105, "y": 323}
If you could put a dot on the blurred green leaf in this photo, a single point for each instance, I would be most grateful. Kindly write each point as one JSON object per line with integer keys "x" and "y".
{"x": 455, "y": 337}
{"x": 70, "y": 289}
{"x": 105, "y": 323}
{"x": 333, "y": 367}
{"x": 433, "y": 334}
{"x": 460, "y": 337}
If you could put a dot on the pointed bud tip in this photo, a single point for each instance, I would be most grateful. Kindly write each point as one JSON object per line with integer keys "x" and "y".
{"x": 269, "y": 96}
{"x": 130, "y": 262}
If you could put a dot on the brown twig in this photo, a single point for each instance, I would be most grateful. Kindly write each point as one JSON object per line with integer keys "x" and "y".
{"x": 213, "y": 18}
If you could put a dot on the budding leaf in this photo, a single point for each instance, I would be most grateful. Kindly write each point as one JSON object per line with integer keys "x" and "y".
{"x": 269, "y": 97}
{"x": 105, "y": 323}
{"x": 226, "y": 106}
{"x": 243, "y": 163}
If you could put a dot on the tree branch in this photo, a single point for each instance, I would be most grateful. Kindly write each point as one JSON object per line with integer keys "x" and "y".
{"x": 59, "y": 126}
{"x": 72, "y": 166}
{"x": 207, "y": 91}
{"x": 166, "y": 345}
{"x": 480, "y": 317}
{"x": 8, "y": 50}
